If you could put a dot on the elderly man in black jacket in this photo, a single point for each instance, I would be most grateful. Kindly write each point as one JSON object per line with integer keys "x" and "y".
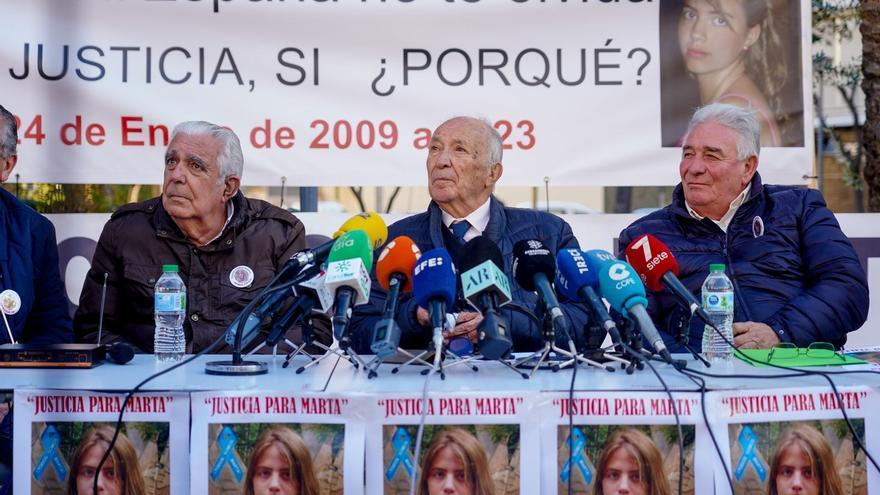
{"x": 227, "y": 246}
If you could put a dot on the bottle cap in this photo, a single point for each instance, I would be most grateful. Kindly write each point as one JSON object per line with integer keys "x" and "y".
{"x": 174, "y": 269}
{"x": 717, "y": 267}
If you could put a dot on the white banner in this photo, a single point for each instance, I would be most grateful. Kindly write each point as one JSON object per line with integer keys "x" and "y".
{"x": 60, "y": 436}
{"x": 761, "y": 431}
{"x": 347, "y": 92}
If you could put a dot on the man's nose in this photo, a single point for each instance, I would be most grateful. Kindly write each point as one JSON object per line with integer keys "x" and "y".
{"x": 176, "y": 174}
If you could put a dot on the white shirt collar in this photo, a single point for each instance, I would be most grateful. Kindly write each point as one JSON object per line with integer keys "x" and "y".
{"x": 724, "y": 222}
{"x": 478, "y": 219}
{"x": 230, "y": 210}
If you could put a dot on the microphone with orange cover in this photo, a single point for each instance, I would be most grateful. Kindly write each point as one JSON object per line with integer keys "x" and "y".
{"x": 394, "y": 270}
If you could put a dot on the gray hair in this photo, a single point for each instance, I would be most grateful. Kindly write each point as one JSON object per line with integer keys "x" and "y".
{"x": 9, "y": 136}
{"x": 494, "y": 147}
{"x": 231, "y": 160}
{"x": 742, "y": 121}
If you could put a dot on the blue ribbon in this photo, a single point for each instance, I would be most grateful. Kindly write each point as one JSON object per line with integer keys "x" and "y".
{"x": 50, "y": 440}
{"x": 748, "y": 440}
{"x": 401, "y": 441}
{"x": 227, "y": 440}
{"x": 576, "y": 457}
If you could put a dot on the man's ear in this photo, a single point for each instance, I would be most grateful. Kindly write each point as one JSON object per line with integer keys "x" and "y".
{"x": 6, "y": 166}
{"x": 495, "y": 172}
{"x": 231, "y": 186}
{"x": 751, "y": 167}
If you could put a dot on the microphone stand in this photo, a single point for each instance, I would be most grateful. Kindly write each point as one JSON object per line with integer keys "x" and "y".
{"x": 346, "y": 352}
{"x": 572, "y": 358}
{"x": 440, "y": 351}
{"x": 237, "y": 366}
{"x": 682, "y": 336}
{"x": 632, "y": 348}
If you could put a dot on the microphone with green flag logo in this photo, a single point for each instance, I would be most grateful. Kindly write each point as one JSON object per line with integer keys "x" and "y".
{"x": 348, "y": 278}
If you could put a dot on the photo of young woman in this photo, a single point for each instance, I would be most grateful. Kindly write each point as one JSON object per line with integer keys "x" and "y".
{"x": 740, "y": 52}
{"x": 630, "y": 464}
{"x": 280, "y": 464}
{"x": 803, "y": 464}
{"x": 455, "y": 464}
{"x": 120, "y": 474}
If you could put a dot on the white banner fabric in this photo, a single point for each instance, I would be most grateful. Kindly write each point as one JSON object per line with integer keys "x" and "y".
{"x": 347, "y": 92}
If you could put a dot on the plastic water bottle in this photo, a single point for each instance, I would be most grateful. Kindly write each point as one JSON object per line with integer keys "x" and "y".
{"x": 169, "y": 341}
{"x": 718, "y": 302}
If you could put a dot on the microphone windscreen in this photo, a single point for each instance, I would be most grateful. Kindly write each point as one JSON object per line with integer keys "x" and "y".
{"x": 120, "y": 352}
{"x": 476, "y": 251}
{"x": 371, "y": 223}
{"x": 651, "y": 259}
{"x": 400, "y": 255}
{"x": 620, "y": 286}
{"x": 354, "y": 244}
{"x": 531, "y": 257}
{"x": 434, "y": 278}
{"x": 573, "y": 273}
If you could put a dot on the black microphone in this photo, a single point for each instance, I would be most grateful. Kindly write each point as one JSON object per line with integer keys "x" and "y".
{"x": 486, "y": 287}
{"x": 309, "y": 294}
{"x": 118, "y": 352}
{"x": 533, "y": 267}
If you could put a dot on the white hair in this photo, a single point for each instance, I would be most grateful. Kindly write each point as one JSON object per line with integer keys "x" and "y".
{"x": 231, "y": 160}
{"x": 742, "y": 121}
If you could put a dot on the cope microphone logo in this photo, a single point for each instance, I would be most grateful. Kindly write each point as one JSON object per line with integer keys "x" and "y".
{"x": 619, "y": 273}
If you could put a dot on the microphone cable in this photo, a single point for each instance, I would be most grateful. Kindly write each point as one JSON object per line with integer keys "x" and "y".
{"x": 422, "y": 419}
{"x": 216, "y": 343}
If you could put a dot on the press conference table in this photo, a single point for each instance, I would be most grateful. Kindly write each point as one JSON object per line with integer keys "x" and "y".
{"x": 337, "y": 375}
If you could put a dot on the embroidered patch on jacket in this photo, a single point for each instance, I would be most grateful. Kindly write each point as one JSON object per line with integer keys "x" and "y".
{"x": 241, "y": 276}
{"x": 757, "y": 227}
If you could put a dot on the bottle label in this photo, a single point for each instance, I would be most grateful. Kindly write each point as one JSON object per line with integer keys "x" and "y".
{"x": 718, "y": 301}
{"x": 167, "y": 302}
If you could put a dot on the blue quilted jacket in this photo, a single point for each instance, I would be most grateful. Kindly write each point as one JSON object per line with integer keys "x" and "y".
{"x": 791, "y": 265}
{"x": 506, "y": 227}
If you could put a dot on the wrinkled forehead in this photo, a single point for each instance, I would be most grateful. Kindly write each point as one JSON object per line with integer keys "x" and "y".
{"x": 712, "y": 135}
{"x": 461, "y": 129}
{"x": 199, "y": 145}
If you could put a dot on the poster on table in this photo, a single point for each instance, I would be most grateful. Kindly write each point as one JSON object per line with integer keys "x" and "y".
{"x": 470, "y": 443}
{"x": 60, "y": 438}
{"x": 276, "y": 443}
{"x": 795, "y": 441}
{"x": 348, "y": 92}
{"x": 620, "y": 441}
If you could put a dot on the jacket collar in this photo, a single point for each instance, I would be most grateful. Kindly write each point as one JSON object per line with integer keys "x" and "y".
{"x": 494, "y": 229}
{"x": 679, "y": 208}
{"x": 165, "y": 226}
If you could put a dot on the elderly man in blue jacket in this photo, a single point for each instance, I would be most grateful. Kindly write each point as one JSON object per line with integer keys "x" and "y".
{"x": 796, "y": 276}
{"x": 30, "y": 282}
{"x": 463, "y": 164}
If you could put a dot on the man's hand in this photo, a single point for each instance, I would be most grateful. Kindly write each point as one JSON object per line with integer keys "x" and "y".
{"x": 753, "y": 335}
{"x": 466, "y": 324}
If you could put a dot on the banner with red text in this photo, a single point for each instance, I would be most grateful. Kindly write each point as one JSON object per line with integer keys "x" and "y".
{"x": 242, "y": 441}
{"x": 769, "y": 436}
{"x": 60, "y": 437}
{"x": 495, "y": 433}
{"x": 348, "y": 92}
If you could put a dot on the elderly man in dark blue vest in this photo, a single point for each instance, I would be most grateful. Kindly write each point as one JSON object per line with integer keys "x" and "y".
{"x": 796, "y": 276}
{"x": 463, "y": 165}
